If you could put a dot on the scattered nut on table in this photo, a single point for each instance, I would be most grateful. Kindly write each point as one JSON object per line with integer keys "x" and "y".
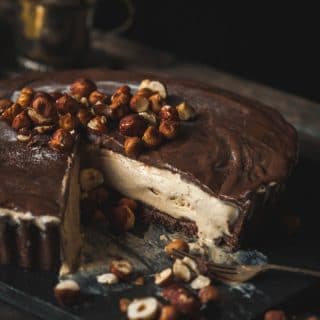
{"x": 143, "y": 309}
{"x": 191, "y": 264}
{"x": 200, "y": 282}
{"x": 107, "y": 278}
{"x": 181, "y": 271}
{"x": 176, "y": 244}
{"x": 208, "y": 294}
{"x": 164, "y": 277}
{"x": 123, "y": 304}
{"x": 67, "y": 292}
{"x": 121, "y": 268}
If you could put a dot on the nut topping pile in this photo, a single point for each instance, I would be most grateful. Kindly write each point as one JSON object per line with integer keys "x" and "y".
{"x": 144, "y": 117}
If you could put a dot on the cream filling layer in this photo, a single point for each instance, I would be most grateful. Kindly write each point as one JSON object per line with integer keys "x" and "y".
{"x": 169, "y": 193}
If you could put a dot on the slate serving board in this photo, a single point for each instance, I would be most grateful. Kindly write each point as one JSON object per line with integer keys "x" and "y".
{"x": 32, "y": 291}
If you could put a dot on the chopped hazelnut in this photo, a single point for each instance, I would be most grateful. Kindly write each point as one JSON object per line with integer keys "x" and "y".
{"x": 156, "y": 102}
{"x": 139, "y": 104}
{"x": 61, "y": 140}
{"x": 132, "y": 125}
{"x": 98, "y": 125}
{"x": 121, "y": 268}
{"x": 68, "y": 122}
{"x": 21, "y": 121}
{"x": 169, "y": 113}
{"x": 176, "y": 244}
{"x": 5, "y": 104}
{"x": 25, "y": 97}
{"x": 152, "y": 137}
{"x": 97, "y": 97}
{"x": 133, "y": 146}
{"x": 82, "y": 88}
{"x": 185, "y": 111}
{"x": 150, "y": 117}
{"x": 10, "y": 113}
{"x": 84, "y": 116}
{"x": 122, "y": 218}
{"x": 208, "y": 294}
{"x": 169, "y": 129}
{"x": 67, "y": 104}
{"x": 164, "y": 277}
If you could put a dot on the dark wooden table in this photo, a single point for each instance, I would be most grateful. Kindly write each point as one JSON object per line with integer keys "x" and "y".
{"x": 115, "y": 52}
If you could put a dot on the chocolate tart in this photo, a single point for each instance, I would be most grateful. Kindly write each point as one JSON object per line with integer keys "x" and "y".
{"x": 210, "y": 181}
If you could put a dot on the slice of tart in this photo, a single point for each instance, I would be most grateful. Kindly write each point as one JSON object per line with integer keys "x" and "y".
{"x": 203, "y": 170}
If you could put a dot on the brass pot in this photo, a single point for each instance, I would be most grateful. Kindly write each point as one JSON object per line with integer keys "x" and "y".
{"x": 54, "y": 33}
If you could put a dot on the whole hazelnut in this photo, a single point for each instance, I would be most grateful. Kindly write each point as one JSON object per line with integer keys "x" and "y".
{"x": 61, "y": 140}
{"x": 67, "y": 104}
{"x": 156, "y": 102}
{"x": 68, "y": 122}
{"x": 169, "y": 313}
{"x": 44, "y": 105}
{"x": 10, "y": 113}
{"x": 139, "y": 104}
{"x": 38, "y": 119}
{"x": 132, "y": 125}
{"x": 169, "y": 113}
{"x": 133, "y": 146}
{"x": 98, "y": 125}
{"x": 82, "y": 88}
{"x": 25, "y": 97}
{"x": 122, "y": 218}
{"x": 152, "y": 137}
{"x": 97, "y": 97}
{"x": 208, "y": 294}
{"x": 144, "y": 92}
{"x": 275, "y": 315}
{"x": 5, "y": 104}
{"x": 150, "y": 117}
{"x": 21, "y": 121}
{"x": 84, "y": 115}
{"x": 169, "y": 129}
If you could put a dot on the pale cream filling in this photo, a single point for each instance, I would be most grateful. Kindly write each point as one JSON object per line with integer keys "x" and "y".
{"x": 169, "y": 193}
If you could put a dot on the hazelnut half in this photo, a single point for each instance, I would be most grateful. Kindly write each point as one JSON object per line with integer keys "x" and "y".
{"x": 200, "y": 282}
{"x": 133, "y": 146}
{"x": 164, "y": 277}
{"x": 25, "y": 97}
{"x": 44, "y": 105}
{"x": 143, "y": 309}
{"x": 156, "y": 102}
{"x": 121, "y": 268}
{"x": 152, "y": 137}
{"x": 139, "y": 104}
{"x": 181, "y": 271}
{"x": 150, "y": 117}
{"x": 132, "y": 125}
{"x": 155, "y": 86}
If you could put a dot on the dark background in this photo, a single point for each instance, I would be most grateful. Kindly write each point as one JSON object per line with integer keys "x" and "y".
{"x": 270, "y": 43}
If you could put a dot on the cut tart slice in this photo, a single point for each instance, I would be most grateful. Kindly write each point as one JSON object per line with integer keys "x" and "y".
{"x": 206, "y": 176}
